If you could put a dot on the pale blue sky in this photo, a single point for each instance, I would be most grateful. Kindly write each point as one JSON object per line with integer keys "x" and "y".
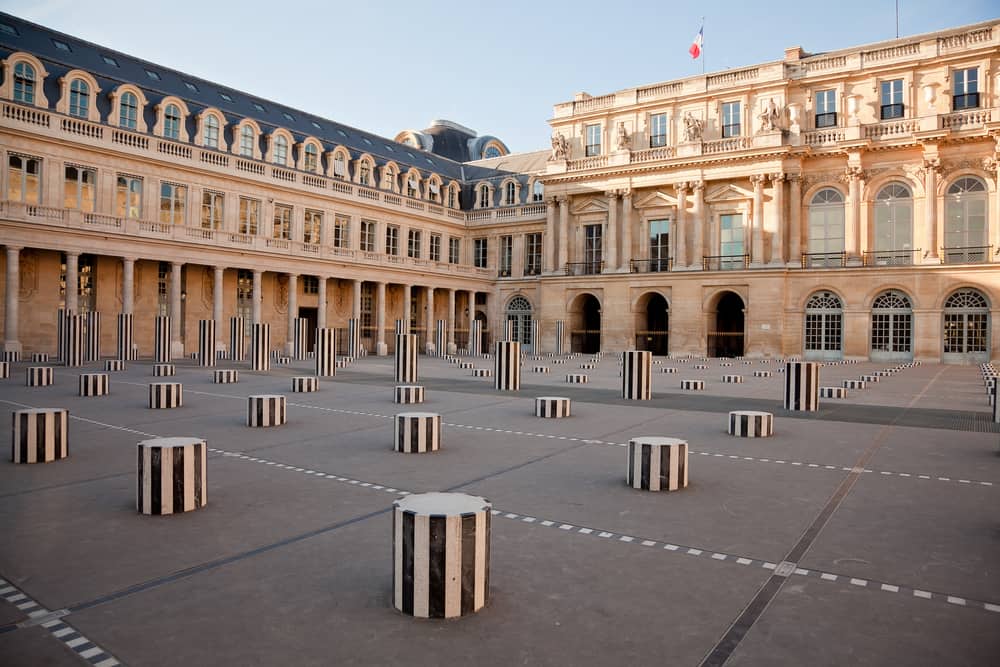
{"x": 392, "y": 65}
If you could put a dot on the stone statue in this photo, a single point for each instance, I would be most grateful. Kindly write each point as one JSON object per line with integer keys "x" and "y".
{"x": 560, "y": 148}
{"x": 624, "y": 141}
{"x": 769, "y": 117}
{"x": 692, "y": 127}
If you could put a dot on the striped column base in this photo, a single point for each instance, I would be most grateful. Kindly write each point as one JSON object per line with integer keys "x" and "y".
{"x": 538, "y": 357}
{"x": 855, "y": 384}
{"x": 226, "y": 376}
{"x": 39, "y": 376}
{"x": 553, "y": 407}
{"x": 588, "y": 367}
{"x": 465, "y": 365}
{"x": 407, "y": 394}
{"x": 4, "y": 370}
{"x": 657, "y": 464}
{"x": 540, "y": 369}
{"x": 440, "y": 555}
{"x": 748, "y": 363}
{"x": 266, "y": 410}
{"x": 94, "y": 384}
{"x": 164, "y": 370}
{"x": 347, "y": 360}
{"x": 732, "y": 379}
{"x": 39, "y": 357}
{"x": 725, "y": 364}
{"x": 883, "y": 374}
{"x": 751, "y": 424}
{"x": 577, "y": 378}
{"x": 683, "y": 361}
{"x": 558, "y": 361}
{"x": 417, "y": 432}
{"x": 165, "y": 395}
{"x": 10, "y": 356}
{"x": 114, "y": 365}
{"x": 700, "y": 367}
{"x": 40, "y": 435}
{"x": 283, "y": 361}
{"x": 194, "y": 356}
{"x": 305, "y": 384}
{"x": 341, "y": 363}
{"x": 692, "y": 385}
{"x": 870, "y": 378}
{"x": 779, "y": 370}
{"x": 171, "y": 475}
{"x": 657, "y": 362}
{"x": 668, "y": 369}
{"x": 482, "y": 372}
{"x": 762, "y": 374}
{"x": 832, "y": 392}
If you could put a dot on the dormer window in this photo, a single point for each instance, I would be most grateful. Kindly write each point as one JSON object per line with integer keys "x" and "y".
{"x": 365, "y": 174}
{"x": 24, "y": 83}
{"x": 311, "y": 161}
{"x": 484, "y": 196}
{"x": 172, "y": 122}
{"x": 411, "y": 187}
{"x": 247, "y": 139}
{"x": 128, "y": 111}
{"x": 210, "y": 134}
{"x": 280, "y": 150}
{"x": 537, "y": 191}
{"x": 389, "y": 179}
{"x": 79, "y": 98}
{"x": 452, "y": 198}
{"x": 339, "y": 166}
{"x": 434, "y": 191}
{"x": 510, "y": 196}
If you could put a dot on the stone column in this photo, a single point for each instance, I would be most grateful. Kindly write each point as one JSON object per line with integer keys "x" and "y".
{"x": 778, "y": 230}
{"x": 176, "y": 306}
{"x": 381, "y": 349}
{"x": 680, "y": 231}
{"x": 795, "y": 220}
{"x": 563, "y": 256}
{"x": 293, "y": 312}
{"x": 321, "y": 306}
{"x": 550, "y": 249}
{"x": 451, "y": 322}
{"x": 644, "y": 240}
{"x": 429, "y": 320}
{"x": 626, "y": 255}
{"x": 73, "y": 282}
{"x": 11, "y": 341}
{"x": 407, "y": 299}
{"x": 611, "y": 251}
{"x": 578, "y": 248}
{"x": 853, "y": 213}
{"x": 258, "y": 295}
{"x": 698, "y": 242}
{"x": 757, "y": 243}
{"x": 218, "y": 299}
{"x": 128, "y": 284}
{"x": 931, "y": 167}
{"x": 356, "y": 299}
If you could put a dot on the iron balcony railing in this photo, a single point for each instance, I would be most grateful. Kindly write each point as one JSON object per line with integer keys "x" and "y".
{"x": 725, "y": 262}
{"x": 824, "y": 260}
{"x": 651, "y": 265}
{"x": 584, "y": 268}
{"x": 976, "y": 254}
{"x": 890, "y": 257}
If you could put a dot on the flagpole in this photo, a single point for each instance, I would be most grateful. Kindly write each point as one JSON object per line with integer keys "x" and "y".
{"x": 702, "y": 44}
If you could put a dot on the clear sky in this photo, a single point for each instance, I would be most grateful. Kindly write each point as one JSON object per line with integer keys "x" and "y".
{"x": 387, "y": 66}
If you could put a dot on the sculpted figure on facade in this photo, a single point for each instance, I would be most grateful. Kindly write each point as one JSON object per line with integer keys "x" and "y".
{"x": 560, "y": 148}
{"x": 769, "y": 117}
{"x": 624, "y": 140}
{"x": 692, "y": 127}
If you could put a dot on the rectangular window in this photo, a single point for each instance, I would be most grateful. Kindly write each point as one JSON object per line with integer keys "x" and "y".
{"x": 731, "y": 119}
{"x": 212, "y": 204}
{"x": 826, "y": 108}
{"x": 658, "y": 130}
{"x": 367, "y": 299}
{"x": 413, "y": 244}
{"x": 128, "y": 197}
{"x": 310, "y": 285}
{"x": 593, "y": 140}
{"x": 506, "y": 255}
{"x": 593, "y": 248}
{"x": 391, "y": 240}
{"x": 532, "y": 254}
{"x": 163, "y": 289}
{"x": 731, "y": 241}
{"x": 341, "y": 230}
{"x": 965, "y": 89}
{"x": 480, "y": 253}
{"x": 244, "y": 298}
{"x": 312, "y": 227}
{"x": 892, "y": 99}
{"x": 454, "y": 250}
{"x": 173, "y": 203}
{"x": 659, "y": 245}
{"x": 24, "y": 179}
{"x": 80, "y": 188}
{"x": 85, "y": 285}
{"x": 435, "y": 255}
{"x": 368, "y": 236}
{"x": 249, "y": 216}
{"x": 281, "y": 224}
{"x": 365, "y": 174}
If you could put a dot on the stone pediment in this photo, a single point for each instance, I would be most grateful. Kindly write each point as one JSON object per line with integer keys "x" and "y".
{"x": 727, "y": 192}
{"x": 590, "y": 205}
{"x": 655, "y": 199}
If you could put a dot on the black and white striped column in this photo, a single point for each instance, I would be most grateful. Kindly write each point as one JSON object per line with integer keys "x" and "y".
{"x": 161, "y": 340}
{"x": 482, "y": 373}
{"x": 657, "y": 464}
{"x": 305, "y": 384}
{"x": 832, "y": 392}
{"x": 508, "y": 330}
{"x": 354, "y": 338}
{"x": 996, "y": 409}
{"x": 732, "y": 379}
{"x": 441, "y": 554}
{"x": 266, "y": 410}
{"x": 762, "y": 374}
{"x": 260, "y": 343}
{"x": 237, "y": 339}
{"x": 94, "y": 384}
{"x": 637, "y": 372}
{"x": 40, "y": 435}
{"x": 693, "y": 385}
{"x": 441, "y": 337}
{"x": 408, "y": 394}
{"x": 402, "y": 327}
{"x": 206, "y": 343}
{"x": 92, "y": 346}
{"x": 4, "y": 370}
{"x": 326, "y": 352}
{"x": 300, "y": 338}
{"x": 171, "y": 475}
{"x": 554, "y": 407}
{"x": 165, "y": 395}
{"x": 39, "y": 376}
{"x": 417, "y": 432}
{"x": 164, "y": 370}
{"x": 751, "y": 424}
{"x": 802, "y": 385}
{"x": 61, "y": 315}
{"x": 406, "y": 357}
{"x": 72, "y": 353}
{"x": 560, "y": 326}
{"x": 476, "y": 337}
{"x": 507, "y": 366}
{"x": 855, "y": 384}
{"x": 577, "y": 378}
{"x": 126, "y": 349}
{"x": 226, "y": 376}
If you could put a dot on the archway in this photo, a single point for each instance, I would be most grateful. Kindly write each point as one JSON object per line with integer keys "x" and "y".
{"x": 652, "y": 327}
{"x": 519, "y": 312}
{"x": 726, "y": 339}
{"x": 585, "y": 331}
{"x": 966, "y": 333}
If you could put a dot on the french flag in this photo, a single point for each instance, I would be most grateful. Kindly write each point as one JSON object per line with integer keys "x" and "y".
{"x": 695, "y": 49}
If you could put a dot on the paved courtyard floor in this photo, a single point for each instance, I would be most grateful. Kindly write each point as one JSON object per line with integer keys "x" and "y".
{"x": 867, "y": 533}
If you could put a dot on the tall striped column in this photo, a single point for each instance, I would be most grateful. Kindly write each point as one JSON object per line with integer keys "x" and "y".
{"x": 61, "y": 316}
{"x": 802, "y": 385}
{"x": 402, "y": 327}
{"x": 326, "y": 352}
{"x": 441, "y": 554}
{"x": 126, "y": 350}
{"x": 92, "y": 351}
{"x": 476, "y": 337}
{"x": 206, "y": 343}
{"x": 161, "y": 340}
{"x": 508, "y": 330}
{"x": 300, "y": 338}
{"x": 237, "y": 339}
{"x": 171, "y": 475}
{"x": 637, "y": 372}
{"x": 406, "y": 357}
{"x": 354, "y": 338}
{"x": 535, "y": 347}
{"x": 559, "y": 337}
{"x": 260, "y": 341}
{"x": 507, "y": 366}
{"x": 73, "y": 355}
{"x": 441, "y": 338}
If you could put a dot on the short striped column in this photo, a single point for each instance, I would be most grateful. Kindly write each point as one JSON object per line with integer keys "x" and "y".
{"x": 165, "y": 395}
{"x": 701, "y": 367}
{"x": 441, "y": 338}
{"x": 305, "y": 384}
{"x": 552, "y": 407}
{"x": 465, "y": 365}
{"x": 482, "y": 373}
{"x": 870, "y": 378}
{"x": 94, "y": 384}
{"x": 40, "y": 435}
{"x": 577, "y": 378}
{"x": 417, "y": 432}
{"x": 326, "y": 352}
{"x": 161, "y": 340}
{"x": 39, "y": 376}
{"x": 751, "y": 424}
{"x": 206, "y": 343}
{"x": 11, "y": 356}
{"x": 237, "y": 339}
{"x": 266, "y": 410}
{"x": 300, "y": 338}
{"x": 762, "y": 374}
{"x": 126, "y": 349}
{"x": 39, "y": 357}
{"x": 732, "y": 379}
{"x": 560, "y": 327}
{"x": 476, "y": 337}
{"x": 693, "y": 385}
{"x": 406, "y": 357}
{"x": 637, "y": 375}
{"x": 540, "y": 369}
{"x": 507, "y": 366}
{"x": 832, "y": 392}
{"x": 440, "y": 554}
{"x": 260, "y": 343}
{"x": 354, "y": 338}
{"x": 4, "y": 370}
{"x": 281, "y": 360}
{"x": 407, "y": 394}
{"x": 801, "y": 385}
{"x": 92, "y": 345}
{"x": 226, "y": 376}
{"x": 855, "y": 384}
{"x": 164, "y": 370}
{"x": 73, "y": 353}
{"x": 171, "y": 475}
{"x": 657, "y": 464}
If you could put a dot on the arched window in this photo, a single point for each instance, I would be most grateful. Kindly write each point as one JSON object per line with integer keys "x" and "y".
{"x": 484, "y": 196}
{"x": 452, "y": 197}
{"x": 79, "y": 98}
{"x": 894, "y": 221}
{"x": 365, "y": 173}
{"x": 24, "y": 83}
{"x": 537, "y": 191}
{"x": 491, "y": 151}
{"x": 389, "y": 179}
{"x": 210, "y": 133}
{"x": 311, "y": 158}
{"x": 824, "y": 326}
{"x": 965, "y": 226}
{"x": 519, "y": 313}
{"x": 172, "y": 122}
{"x": 892, "y": 327}
{"x": 247, "y": 139}
{"x": 510, "y": 194}
{"x": 280, "y": 150}
{"x": 128, "y": 111}
{"x": 826, "y": 228}
{"x": 412, "y": 186}
{"x": 966, "y": 327}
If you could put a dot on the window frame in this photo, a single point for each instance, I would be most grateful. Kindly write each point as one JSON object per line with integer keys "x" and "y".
{"x": 175, "y": 213}
{"x": 592, "y": 131}
{"x": 79, "y": 187}
{"x": 891, "y": 110}
{"x": 728, "y": 112}
{"x": 25, "y": 176}
{"x": 966, "y": 99}
{"x": 657, "y": 138}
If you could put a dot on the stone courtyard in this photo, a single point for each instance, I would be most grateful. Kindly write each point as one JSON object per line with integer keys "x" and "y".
{"x": 863, "y": 533}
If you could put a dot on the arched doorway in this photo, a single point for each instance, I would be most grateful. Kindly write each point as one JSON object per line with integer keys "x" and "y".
{"x": 726, "y": 338}
{"x": 824, "y": 326}
{"x": 966, "y": 334}
{"x": 519, "y": 312}
{"x": 892, "y": 327}
{"x": 652, "y": 328}
{"x": 585, "y": 332}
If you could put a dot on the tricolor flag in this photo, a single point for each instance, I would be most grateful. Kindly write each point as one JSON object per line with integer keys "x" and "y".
{"x": 695, "y": 49}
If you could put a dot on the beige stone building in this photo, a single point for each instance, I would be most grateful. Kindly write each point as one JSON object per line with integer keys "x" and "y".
{"x": 833, "y": 205}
